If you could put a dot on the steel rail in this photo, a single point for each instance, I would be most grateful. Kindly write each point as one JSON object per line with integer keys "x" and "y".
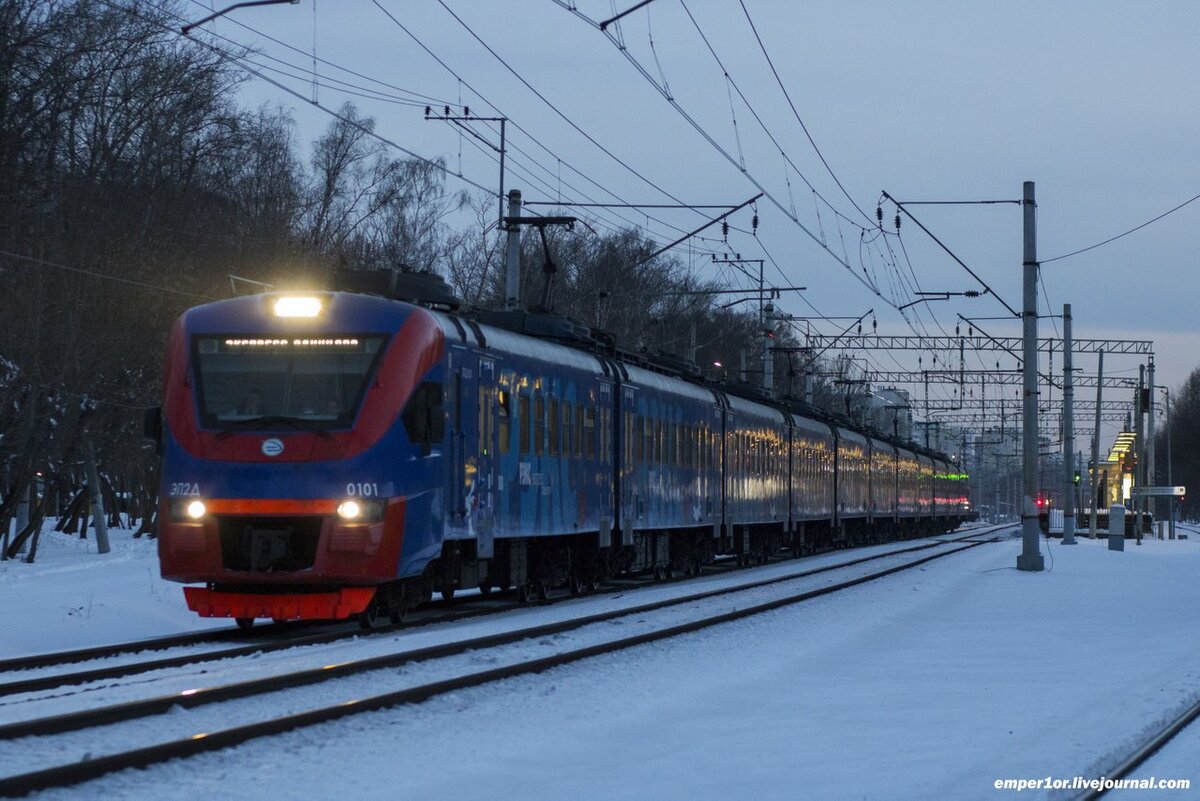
{"x": 135, "y": 668}
{"x": 1145, "y": 751}
{"x": 77, "y": 772}
{"x": 115, "y": 713}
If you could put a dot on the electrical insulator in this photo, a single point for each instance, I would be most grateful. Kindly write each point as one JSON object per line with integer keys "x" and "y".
{"x": 956, "y": 329}
{"x": 879, "y": 213}
{"x": 725, "y": 228}
{"x": 466, "y": 111}
{"x": 427, "y": 111}
{"x": 860, "y": 328}
{"x": 897, "y": 221}
{"x": 446, "y": 110}
{"x": 754, "y": 223}
{"x": 874, "y": 325}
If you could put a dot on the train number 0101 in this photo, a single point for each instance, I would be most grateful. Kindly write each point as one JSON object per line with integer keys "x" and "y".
{"x": 362, "y": 490}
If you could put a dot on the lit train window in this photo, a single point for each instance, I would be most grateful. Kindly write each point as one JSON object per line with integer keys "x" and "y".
{"x": 539, "y": 424}
{"x": 523, "y": 427}
{"x": 504, "y": 413}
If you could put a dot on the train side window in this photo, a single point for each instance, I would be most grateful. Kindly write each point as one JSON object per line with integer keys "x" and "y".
{"x": 504, "y": 413}
{"x": 589, "y": 433}
{"x": 552, "y": 448}
{"x": 565, "y": 433}
{"x": 539, "y": 424}
{"x": 523, "y": 429}
{"x": 578, "y": 431}
{"x": 424, "y": 417}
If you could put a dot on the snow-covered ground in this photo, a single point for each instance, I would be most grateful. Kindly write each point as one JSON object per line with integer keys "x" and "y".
{"x": 932, "y": 683}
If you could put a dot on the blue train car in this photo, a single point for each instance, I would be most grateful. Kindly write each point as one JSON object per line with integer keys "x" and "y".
{"x": 340, "y": 454}
{"x": 670, "y": 487}
{"x": 883, "y": 487}
{"x": 853, "y": 485}
{"x": 756, "y": 507}
{"x": 813, "y": 456}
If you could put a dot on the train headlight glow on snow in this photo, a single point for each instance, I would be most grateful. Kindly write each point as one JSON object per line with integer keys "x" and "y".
{"x": 195, "y": 510}
{"x": 349, "y": 510}
{"x": 298, "y": 306}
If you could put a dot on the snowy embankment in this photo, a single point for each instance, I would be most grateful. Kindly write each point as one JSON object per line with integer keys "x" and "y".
{"x": 927, "y": 684}
{"x": 72, "y": 597}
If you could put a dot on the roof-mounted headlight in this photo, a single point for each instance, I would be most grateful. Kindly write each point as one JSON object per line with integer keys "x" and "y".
{"x": 298, "y": 306}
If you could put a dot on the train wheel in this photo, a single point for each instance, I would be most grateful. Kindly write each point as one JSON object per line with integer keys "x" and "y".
{"x": 543, "y": 590}
{"x": 397, "y": 615}
{"x": 244, "y": 623}
{"x": 576, "y": 584}
{"x": 524, "y": 593}
{"x": 369, "y": 617}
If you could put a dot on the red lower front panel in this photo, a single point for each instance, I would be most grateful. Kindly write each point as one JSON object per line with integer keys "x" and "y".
{"x": 344, "y": 603}
{"x": 279, "y": 543}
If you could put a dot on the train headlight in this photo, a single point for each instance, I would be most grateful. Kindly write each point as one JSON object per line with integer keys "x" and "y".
{"x": 191, "y": 510}
{"x": 354, "y": 510}
{"x": 298, "y": 306}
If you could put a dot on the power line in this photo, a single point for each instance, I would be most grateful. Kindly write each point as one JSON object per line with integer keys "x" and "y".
{"x": 104, "y": 276}
{"x": 1118, "y": 236}
{"x": 788, "y": 96}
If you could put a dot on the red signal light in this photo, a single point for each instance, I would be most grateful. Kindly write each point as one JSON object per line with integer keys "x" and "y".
{"x": 1041, "y": 502}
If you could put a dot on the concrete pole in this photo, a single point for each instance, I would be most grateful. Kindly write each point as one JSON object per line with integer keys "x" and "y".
{"x": 512, "y": 262}
{"x": 808, "y": 382}
{"x": 1139, "y": 453}
{"x": 1171, "y": 502}
{"x": 768, "y": 326}
{"x": 1151, "y": 469}
{"x": 1031, "y": 555}
{"x": 1096, "y": 448}
{"x": 1068, "y": 431}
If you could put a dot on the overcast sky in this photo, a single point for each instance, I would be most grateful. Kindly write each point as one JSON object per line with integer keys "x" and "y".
{"x": 1096, "y": 102}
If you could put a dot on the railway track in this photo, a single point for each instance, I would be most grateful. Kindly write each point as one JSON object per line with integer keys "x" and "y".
{"x": 760, "y": 596}
{"x": 1142, "y": 754}
{"x": 273, "y": 638}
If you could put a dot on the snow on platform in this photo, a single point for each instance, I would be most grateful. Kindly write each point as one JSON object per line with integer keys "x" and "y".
{"x": 927, "y": 684}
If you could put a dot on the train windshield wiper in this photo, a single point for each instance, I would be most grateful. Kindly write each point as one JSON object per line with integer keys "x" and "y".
{"x": 268, "y": 422}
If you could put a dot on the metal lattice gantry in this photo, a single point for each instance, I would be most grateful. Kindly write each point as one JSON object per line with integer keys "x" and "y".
{"x": 985, "y": 378}
{"x": 976, "y": 343}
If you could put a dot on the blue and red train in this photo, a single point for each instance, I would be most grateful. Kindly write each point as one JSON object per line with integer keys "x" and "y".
{"x": 340, "y": 454}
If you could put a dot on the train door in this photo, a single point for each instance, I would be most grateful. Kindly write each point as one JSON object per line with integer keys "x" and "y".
{"x": 483, "y": 487}
{"x": 461, "y": 377}
{"x": 606, "y": 452}
{"x": 628, "y": 486}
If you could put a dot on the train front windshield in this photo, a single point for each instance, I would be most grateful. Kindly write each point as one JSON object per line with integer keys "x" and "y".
{"x": 310, "y": 383}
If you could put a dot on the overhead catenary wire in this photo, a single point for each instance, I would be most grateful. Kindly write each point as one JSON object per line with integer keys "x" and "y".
{"x": 1124, "y": 234}
{"x": 417, "y": 40}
